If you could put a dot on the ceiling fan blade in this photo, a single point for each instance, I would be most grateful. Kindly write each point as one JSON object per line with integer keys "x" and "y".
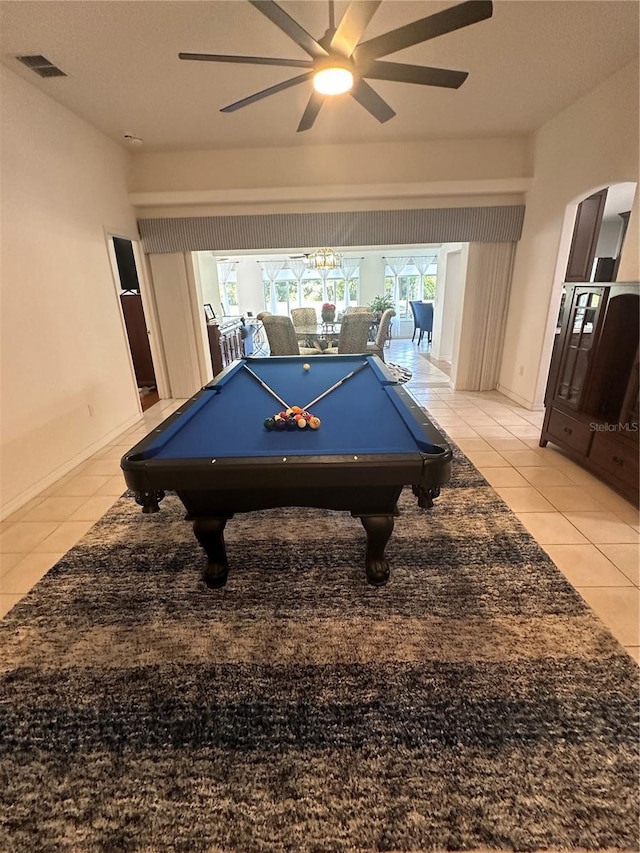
{"x": 454, "y": 18}
{"x": 311, "y": 111}
{"x": 353, "y": 24}
{"x": 290, "y": 27}
{"x": 371, "y": 101}
{"x": 272, "y": 90}
{"x": 247, "y": 60}
{"x": 423, "y": 75}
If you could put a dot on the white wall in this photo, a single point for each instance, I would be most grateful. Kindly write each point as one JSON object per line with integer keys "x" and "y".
{"x": 452, "y": 270}
{"x": 609, "y": 238}
{"x": 328, "y": 165}
{"x": 629, "y": 269}
{"x": 383, "y": 176}
{"x": 67, "y": 381}
{"x": 179, "y": 300}
{"x": 371, "y": 276}
{"x": 590, "y": 145}
{"x": 208, "y": 272}
{"x": 251, "y": 293}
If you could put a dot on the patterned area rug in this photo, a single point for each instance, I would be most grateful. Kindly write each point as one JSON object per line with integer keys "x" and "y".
{"x": 473, "y": 702}
{"x": 402, "y": 374}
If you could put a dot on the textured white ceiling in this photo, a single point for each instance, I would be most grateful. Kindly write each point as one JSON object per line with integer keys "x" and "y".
{"x": 526, "y": 63}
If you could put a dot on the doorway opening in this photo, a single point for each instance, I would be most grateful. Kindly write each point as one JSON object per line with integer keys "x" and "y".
{"x": 135, "y": 322}
{"x": 599, "y": 231}
{"x": 591, "y": 244}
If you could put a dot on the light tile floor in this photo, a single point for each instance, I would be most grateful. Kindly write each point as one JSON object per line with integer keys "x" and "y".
{"x": 589, "y": 531}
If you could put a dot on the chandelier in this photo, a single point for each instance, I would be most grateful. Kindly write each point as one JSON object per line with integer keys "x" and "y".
{"x": 325, "y": 259}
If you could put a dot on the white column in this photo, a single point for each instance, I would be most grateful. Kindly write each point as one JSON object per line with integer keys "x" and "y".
{"x": 452, "y": 263}
{"x": 250, "y": 286}
{"x": 208, "y": 270}
{"x": 371, "y": 277}
{"x": 175, "y": 293}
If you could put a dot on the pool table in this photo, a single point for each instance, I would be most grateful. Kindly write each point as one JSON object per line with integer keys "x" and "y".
{"x": 216, "y": 454}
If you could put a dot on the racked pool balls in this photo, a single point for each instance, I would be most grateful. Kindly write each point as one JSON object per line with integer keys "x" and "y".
{"x": 291, "y": 419}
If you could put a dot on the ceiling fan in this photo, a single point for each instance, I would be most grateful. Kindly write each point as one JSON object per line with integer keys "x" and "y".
{"x": 340, "y": 56}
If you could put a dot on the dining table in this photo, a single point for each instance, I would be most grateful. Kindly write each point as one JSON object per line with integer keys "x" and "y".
{"x": 323, "y": 334}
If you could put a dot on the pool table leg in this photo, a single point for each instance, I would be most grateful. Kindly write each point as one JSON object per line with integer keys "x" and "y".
{"x": 210, "y": 534}
{"x": 149, "y": 501}
{"x": 378, "y": 529}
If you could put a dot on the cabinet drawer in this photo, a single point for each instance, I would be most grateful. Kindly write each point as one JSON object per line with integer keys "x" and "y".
{"x": 570, "y": 431}
{"x": 617, "y": 456}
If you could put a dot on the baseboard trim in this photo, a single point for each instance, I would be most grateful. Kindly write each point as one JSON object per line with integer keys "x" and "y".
{"x": 33, "y": 491}
{"x": 526, "y": 404}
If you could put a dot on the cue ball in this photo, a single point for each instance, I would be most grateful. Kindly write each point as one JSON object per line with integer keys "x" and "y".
{"x": 306, "y": 367}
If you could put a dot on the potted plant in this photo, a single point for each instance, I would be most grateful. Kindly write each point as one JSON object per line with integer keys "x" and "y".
{"x": 328, "y": 312}
{"x": 379, "y": 305}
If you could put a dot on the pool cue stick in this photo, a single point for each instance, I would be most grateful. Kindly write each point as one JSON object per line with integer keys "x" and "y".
{"x": 266, "y": 387}
{"x": 336, "y": 385}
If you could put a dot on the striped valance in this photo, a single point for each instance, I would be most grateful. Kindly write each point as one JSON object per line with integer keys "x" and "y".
{"x": 499, "y": 224}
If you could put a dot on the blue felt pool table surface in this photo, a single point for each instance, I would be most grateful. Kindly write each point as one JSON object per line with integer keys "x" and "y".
{"x": 368, "y": 414}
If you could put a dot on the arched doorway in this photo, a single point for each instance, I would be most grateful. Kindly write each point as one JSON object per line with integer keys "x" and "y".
{"x": 591, "y": 243}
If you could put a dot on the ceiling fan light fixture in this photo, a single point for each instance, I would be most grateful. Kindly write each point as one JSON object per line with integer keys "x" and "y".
{"x": 340, "y": 61}
{"x": 333, "y": 80}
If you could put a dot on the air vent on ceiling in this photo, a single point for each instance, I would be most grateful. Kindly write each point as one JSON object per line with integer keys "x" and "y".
{"x": 41, "y": 65}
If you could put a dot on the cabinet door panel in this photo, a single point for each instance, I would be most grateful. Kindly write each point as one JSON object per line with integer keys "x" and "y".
{"x": 585, "y": 237}
{"x": 579, "y": 341}
{"x": 612, "y": 362}
{"x": 631, "y": 406}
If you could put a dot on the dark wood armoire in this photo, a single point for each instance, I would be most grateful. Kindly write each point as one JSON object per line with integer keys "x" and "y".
{"x": 592, "y": 391}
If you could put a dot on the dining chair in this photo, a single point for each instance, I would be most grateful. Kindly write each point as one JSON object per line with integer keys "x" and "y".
{"x": 377, "y": 347}
{"x": 422, "y": 320}
{"x": 353, "y": 336}
{"x": 304, "y": 318}
{"x": 282, "y": 337}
